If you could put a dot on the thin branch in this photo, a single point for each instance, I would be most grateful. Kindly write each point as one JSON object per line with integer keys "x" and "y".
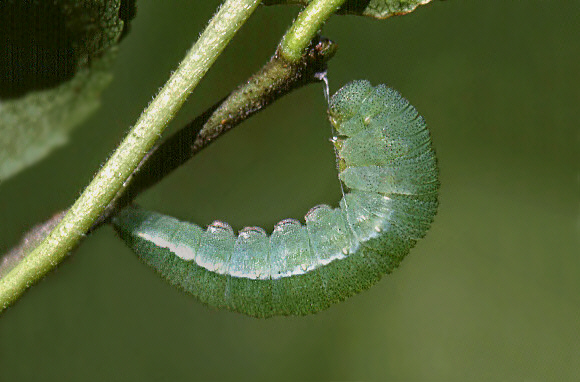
{"x": 307, "y": 24}
{"x": 275, "y": 79}
{"x": 109, "y": 180}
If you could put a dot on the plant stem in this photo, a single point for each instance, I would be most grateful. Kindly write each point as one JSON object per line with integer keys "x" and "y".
{"x": 275, "y": 79}
{"x": 105, "y": 185}
{"x": 306, "y": 26}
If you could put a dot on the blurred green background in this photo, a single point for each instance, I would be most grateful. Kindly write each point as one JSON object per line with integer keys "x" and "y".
{"x": 492, "y": 292}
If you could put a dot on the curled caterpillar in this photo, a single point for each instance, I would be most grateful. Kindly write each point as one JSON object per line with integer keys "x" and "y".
{"x": 387, "y": 164}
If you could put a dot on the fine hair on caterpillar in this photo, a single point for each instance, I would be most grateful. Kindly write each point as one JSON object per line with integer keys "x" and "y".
{"x": 388, "y": 168}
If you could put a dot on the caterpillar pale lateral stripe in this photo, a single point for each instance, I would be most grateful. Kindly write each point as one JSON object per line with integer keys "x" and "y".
{"x": 387, "y": 164}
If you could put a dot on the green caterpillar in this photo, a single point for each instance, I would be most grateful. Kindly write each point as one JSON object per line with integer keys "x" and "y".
{"x": 387, "y": 163}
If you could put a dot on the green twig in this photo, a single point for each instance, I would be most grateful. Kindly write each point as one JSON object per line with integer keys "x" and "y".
{"x": 275, "y": 79}
{"x": 89, "y": 206}
{"x": 306, "y": 26}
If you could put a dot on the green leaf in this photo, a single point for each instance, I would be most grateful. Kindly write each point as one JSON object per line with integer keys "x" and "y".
{"x": 55, "y": 60}
{"x": 378, "y": 9}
